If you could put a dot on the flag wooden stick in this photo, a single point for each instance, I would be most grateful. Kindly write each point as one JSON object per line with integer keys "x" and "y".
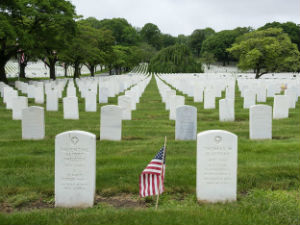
{"x": 165, "y": 148}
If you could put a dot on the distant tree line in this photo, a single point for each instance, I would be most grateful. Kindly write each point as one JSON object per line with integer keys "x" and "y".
{"x": 50, "y": 30}
{"x": 271, "y": 48}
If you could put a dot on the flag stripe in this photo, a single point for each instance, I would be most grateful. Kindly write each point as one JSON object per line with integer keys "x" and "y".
{"x": 152, "y": 177}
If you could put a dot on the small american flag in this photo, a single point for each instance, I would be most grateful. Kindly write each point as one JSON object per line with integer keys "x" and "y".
{"x": 152, "y": 177}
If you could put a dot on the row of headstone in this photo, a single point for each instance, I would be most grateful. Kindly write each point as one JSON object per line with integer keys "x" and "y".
{"x": 112, "y": 115}
{"x": 201, "y": 89}
{"x": 260, "y": 117}
{"x": 75, "y": 168}
{"x": 204, "y": 88}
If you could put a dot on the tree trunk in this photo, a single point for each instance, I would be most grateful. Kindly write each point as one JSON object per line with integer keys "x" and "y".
{"x": 76, "y": 70}
{"x": 224, "y": 63}
{"x": 101, "y": 68}
{"x": 52, "y": 69}
{"x": 92, "y": 70}
{"x": 22, "y": 70}
{"x": 257, "y": 73}
{"x": 2, "y": 71}
{"x": 66, "y": 69}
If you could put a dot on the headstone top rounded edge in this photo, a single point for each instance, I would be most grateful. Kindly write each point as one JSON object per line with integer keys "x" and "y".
{"x": 111, "y": 107}
{"x": 74, "y": 132}
{"x": 207, "y": 132}
{"x": 261, "y": 106}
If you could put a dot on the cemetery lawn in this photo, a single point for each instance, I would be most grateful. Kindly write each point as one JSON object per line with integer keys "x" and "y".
{"x": 268, "y": 171}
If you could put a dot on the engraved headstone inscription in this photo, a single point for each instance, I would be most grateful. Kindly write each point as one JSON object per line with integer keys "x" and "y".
{"x": 75, "y": 169}
{"x": 216, "y": 166}
{"x": 186, "y": 123}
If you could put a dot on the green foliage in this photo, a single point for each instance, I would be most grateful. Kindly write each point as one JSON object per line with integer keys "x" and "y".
{"x": 197, "y": 38}
{"x": 84, "y": 48}
{"x": 151, "y": 34}
{"x": 123, "y": 58}
{"x": 167, "y": 40}
{"x": 266, "y": 51}
{"x": 292, "y": 29}
{"x": 175, "y": 59}
{"x": 147, "y": 52}
{"x": 182, "y": 39}
{"x": 122, "y": 31}
{"x": 208, "y": 58}
{"x": 219, "y": 42}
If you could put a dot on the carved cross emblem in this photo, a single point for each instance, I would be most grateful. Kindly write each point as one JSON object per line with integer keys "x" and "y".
{"x": 218, "y": 139}
{"x": 74, "y": 140}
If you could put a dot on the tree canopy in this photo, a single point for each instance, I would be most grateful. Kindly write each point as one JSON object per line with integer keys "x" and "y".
{"x": 265, "y": 51}
{"x": 151, "y": 34}
{"x": 198, "y": 37}
{"x": 292, "y": 29}
{"x": 219, "y": 42}
{"x": 123, "y": 32}
{"x": 175, "y": 59}
{"x": 44, "y": 25}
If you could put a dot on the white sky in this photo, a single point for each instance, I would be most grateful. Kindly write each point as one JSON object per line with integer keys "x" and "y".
{"x": 183, "y": 16}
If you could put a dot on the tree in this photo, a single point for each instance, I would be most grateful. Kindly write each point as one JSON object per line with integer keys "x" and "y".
{"x": 208, "y": 58}
{"x": 10, "y": 32}
{"x": 167, "y": 40}
{"x": 84, "y": 49}
{"x": 122, "y": 31}
{"x": 182, "y": 39}
{"x": 54, "y": 27}
{"x": 151, "y": 34}
{"x": 174, "y": 59}
{"x": 147, "y": 52}
{"x": 218, "y": 43}
{"x": 265, "y": 51}
{"x": 292, "y": 29}
{"x": 197, "y": 38}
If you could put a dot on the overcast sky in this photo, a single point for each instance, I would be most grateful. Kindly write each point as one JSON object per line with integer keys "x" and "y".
{"x": 183, "y": 16}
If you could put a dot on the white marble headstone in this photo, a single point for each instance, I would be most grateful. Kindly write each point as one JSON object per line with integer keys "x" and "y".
{"x": 186, "y": 123}
{"x": 70, "y": 105}
{"x": 175, "y": 101}
{"x": 111, "y": 123}
{"x": 19, "y": 103}
{"x": 9, "y": 98}
{"x": 52, "y": 101}
{"x": 216, "y": 166}
{"x": 90, "y": 101}
{"x": 125, "y": 103}
{"x": 249, "y": 99}
{"x": 281, "y": 107}
{"x": 39, "y": 95}
{"x": 198, "y": 93}
{"x": 33, "y": 123}
{"x": 260, "y": 122}
{"x": 209, "y": 99}
{"x": 103, "y": 95}
{"x": 169, "y": 94}
{"x": 226, "y": 110}
{"x": 75, "y": 169}
{"x": 71, "y": 91}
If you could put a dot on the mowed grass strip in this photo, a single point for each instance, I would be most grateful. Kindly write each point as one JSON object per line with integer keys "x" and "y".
{"x": 268, "y": 171}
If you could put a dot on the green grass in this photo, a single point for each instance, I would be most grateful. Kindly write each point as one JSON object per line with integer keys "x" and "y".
{"x": 268, "y": 171}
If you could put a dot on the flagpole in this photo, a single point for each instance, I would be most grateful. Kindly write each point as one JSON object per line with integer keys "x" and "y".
{"x": 157, "y": 197}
